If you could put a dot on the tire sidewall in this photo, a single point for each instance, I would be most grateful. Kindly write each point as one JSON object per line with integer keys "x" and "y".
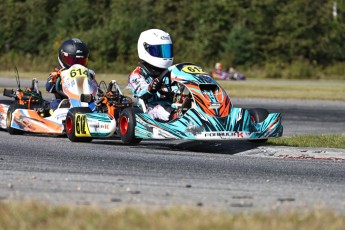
{"x": 129, "y": 136}
{"x": 9, "y": 116}
{"x": 259, "y": 114}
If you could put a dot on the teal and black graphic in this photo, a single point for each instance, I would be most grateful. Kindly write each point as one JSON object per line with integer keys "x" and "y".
{"x": 202, "y": 110}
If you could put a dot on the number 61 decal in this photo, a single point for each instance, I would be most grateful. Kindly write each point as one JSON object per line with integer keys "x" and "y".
{"x": 193, "y": 69}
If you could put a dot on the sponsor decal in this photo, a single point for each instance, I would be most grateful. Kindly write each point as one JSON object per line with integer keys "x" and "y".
{"x": 66, "y": 85}
{"x": 99, "y": 126}
{"x": 165, "y": 37}
{"x": 61, "y": 116}
{"x": 215, "y": 105}
{"x": 225, "y": 134}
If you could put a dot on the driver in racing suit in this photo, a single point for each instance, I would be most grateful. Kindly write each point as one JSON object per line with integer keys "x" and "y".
{"x": 72, "y": 51}
{"x": 156, "y": 55}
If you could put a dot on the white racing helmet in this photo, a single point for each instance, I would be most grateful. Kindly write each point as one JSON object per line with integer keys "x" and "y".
{"x": 155, "y": 47}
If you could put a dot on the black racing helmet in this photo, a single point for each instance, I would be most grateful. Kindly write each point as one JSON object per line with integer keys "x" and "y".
{"x": 73, "y": 51}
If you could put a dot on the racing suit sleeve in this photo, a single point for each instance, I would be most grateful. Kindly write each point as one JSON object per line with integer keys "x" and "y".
{"x": 137, "y": 84}
{"x": 51, "y": 81}
{"x": 93, "y": 77}
{"x": 93, "y": 74}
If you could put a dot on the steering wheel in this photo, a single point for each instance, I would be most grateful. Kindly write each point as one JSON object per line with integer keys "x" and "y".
{"x": 58, "y": 88}
{"x": 103, "y": 86}
{"x": 164, "y": 74}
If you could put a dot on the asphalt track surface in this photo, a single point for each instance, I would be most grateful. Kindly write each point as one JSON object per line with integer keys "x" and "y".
{"x": 234, "y": 177}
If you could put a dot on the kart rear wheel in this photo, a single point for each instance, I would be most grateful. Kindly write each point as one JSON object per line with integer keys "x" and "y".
{"x": 127, "y": 124}
{"x": 70, "y": 124}
{"x": 258, "y": 115}
{"x": 9, "y": 116}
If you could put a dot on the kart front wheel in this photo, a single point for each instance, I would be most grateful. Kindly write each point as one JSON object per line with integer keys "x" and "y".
{"x": 127, "y": 124}
{"x": 258, "y": 115}
{"x": 70, "y": 124}
{"x": 9, "y": 116}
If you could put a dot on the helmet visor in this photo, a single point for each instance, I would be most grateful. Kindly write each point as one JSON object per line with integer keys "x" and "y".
{"x": 160, "y": 51}
{"x": 71, "y": 60}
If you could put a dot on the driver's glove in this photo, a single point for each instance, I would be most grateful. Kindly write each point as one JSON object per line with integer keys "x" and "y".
{"x": 154, "y": 86}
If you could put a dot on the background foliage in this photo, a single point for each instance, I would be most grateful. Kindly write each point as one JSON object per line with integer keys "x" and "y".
{"x": 283, "y": 38}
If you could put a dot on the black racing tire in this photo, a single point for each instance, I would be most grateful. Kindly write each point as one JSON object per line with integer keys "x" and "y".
{"x": 126, "y": 126}
{"x": 70, "y": 124}
{"x": 6, "y": 102}
{"x": 258, "y": 115}
{"x": 10, "y": 111}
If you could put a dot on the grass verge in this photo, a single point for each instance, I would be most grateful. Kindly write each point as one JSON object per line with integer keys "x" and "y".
{"x": 318, "y": 141}
{"x": 37, "y": 216}
{"x": 277, "y": 89}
